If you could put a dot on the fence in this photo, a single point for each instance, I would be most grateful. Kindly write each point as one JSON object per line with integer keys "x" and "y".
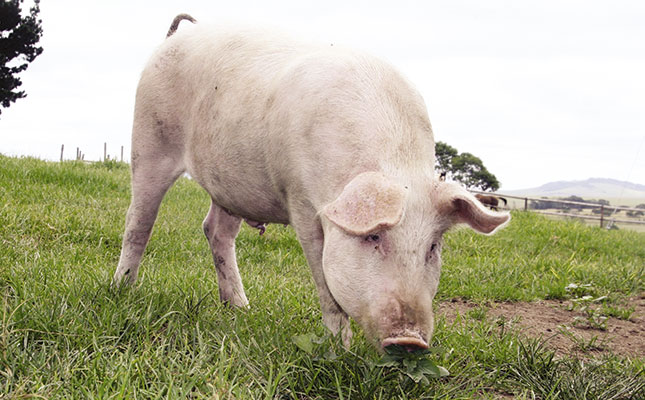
{"x": 565, "y": 208}
{"x": 80, "y": 156}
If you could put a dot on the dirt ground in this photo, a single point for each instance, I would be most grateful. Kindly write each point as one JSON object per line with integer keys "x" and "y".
{"x": 565, "y": 333}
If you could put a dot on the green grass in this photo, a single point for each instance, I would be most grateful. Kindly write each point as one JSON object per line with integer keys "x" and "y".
{"x": 65, "y": 334}
{"x": 535, "y": 258}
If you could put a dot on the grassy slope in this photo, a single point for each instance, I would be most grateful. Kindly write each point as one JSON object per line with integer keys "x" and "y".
{"x": 65, "y": 334}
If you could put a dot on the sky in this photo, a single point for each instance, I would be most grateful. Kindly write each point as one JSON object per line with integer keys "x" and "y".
{"x": 541, "y": 91}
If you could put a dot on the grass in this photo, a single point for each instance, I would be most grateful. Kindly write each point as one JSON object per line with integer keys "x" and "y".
{"x": 65, "y": 334}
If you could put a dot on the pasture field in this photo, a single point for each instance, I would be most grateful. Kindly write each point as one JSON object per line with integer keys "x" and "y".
{"x": 611, "y": 215}
{"x": 65, "y": 334}
{"x": 613, "y": 201}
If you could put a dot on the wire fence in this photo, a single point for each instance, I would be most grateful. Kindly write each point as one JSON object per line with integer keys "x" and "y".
{"x": 605, "y": 215}
{"x": 80, "y": 155}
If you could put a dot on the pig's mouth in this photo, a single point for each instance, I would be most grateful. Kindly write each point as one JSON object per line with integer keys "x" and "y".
{"x": 411, "y": 341}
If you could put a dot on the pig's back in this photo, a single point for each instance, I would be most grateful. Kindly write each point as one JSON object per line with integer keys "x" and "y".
{"x": 265, "y": 117}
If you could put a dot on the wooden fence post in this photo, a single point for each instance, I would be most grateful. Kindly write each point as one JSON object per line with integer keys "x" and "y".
{"x": 62, "y": 148}
{"x": 602, "y": 214}
{"x": 104, "y": 151}
{"x": 121, "y": 153}
{"x": 526, "y": 204}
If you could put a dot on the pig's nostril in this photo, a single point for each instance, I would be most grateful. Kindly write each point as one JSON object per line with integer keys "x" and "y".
{"x": 410, "y": 343}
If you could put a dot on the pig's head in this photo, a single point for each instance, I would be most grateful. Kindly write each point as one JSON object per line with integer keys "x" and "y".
{"x": 382, "y": 251}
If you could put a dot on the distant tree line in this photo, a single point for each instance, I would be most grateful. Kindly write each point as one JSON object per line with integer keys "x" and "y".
{"x": 547, "y": 204}
{"x": 637, "y": 213}
{"x": 555, "y": 204}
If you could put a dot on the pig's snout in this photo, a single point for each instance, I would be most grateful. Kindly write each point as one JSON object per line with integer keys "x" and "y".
{"x": 410, "y": 341}
{"x": 404, "y": 325}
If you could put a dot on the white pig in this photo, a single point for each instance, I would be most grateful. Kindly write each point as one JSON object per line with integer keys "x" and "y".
{"x": 332, "y": 141}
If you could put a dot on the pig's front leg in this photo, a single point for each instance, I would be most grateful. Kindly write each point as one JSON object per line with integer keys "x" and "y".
{"x": 311, "y": 238}
{"x": 221, "y": 228}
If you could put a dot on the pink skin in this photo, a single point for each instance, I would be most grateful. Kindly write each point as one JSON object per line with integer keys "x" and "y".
{"x": 334, "y": 142}
{"x": 383, "y": 266}
{"x": 410, "y": 343}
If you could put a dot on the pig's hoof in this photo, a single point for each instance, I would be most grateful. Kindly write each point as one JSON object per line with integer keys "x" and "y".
{"x": 122, "y": 280}
{"x": 236, "y": 301}
{"x": 347, "y": 336}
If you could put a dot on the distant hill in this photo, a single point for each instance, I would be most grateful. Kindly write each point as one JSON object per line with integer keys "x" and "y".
{"x": 594, "y": 188}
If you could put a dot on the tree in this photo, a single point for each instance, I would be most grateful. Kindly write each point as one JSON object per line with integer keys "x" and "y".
{"x": 444, "y": 154}
{"x": 577, "y": 199}
{"x": 464, "y": 168}
{"x": 637, "y": 213}
{"x": 19, "y": 35}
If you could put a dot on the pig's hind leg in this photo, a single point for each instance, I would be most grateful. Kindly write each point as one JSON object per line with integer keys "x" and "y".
{"x": 157, "y": 161}
{"x": 152, "y": 176}
{"x": 221, "y": 228}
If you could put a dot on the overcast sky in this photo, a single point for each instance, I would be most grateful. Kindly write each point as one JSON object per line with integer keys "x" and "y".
{"x": 539, "y": 90}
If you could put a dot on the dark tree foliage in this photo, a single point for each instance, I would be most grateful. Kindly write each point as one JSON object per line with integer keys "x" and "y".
{"x": 593, "y": 204}
{"x": 637, "y": 213}
{"x": 19, "y": 35}
{"x": 464, "y": 168}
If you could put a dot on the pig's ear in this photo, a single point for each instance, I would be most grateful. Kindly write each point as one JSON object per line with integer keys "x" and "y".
{"x": 368, "y": 203}
{"x": 463, "y": 207}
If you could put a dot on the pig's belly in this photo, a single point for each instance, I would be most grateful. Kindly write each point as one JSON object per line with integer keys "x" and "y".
{"x": 229, "y": 155}
{"x": 243, "y": 193}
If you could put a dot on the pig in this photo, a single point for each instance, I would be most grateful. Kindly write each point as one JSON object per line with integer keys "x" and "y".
{"x": 330, "y": 140}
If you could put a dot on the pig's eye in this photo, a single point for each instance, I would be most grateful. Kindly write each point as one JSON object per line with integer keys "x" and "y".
{"x": 433, "y": 251}
{"x": 373, "y": 238}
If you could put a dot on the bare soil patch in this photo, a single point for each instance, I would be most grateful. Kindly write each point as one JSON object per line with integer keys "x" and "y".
{"x": 552, "y": 321}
